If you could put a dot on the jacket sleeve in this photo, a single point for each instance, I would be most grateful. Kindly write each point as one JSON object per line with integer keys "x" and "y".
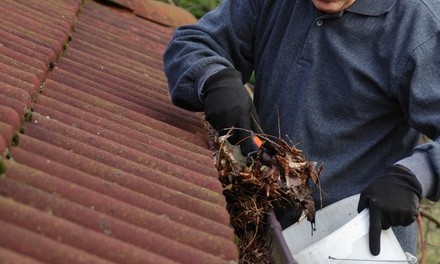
{"x": 420, "y": 100}
{"x": 222, "y": 38}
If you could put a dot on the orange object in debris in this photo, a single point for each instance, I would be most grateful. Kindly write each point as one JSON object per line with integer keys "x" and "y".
{"x": 257, "y": 141}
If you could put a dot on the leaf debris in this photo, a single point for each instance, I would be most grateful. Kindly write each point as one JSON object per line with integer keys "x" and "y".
{"x": 251, "y": 190}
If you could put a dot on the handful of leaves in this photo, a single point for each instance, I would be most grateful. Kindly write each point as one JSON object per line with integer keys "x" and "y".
{"x": 278, "y": 175}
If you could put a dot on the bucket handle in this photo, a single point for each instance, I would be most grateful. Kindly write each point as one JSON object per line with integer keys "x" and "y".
{"x": 409, "y": 259}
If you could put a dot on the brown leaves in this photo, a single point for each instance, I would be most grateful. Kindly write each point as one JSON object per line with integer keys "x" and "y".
{"x": 274, "y": 180}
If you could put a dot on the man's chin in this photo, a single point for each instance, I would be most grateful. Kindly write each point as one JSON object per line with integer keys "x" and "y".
{"x": 331, "y": 6}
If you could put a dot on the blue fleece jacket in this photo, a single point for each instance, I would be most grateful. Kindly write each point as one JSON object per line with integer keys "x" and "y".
{"x": 354, "y": 90}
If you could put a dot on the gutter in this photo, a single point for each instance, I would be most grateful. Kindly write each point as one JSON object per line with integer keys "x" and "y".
{"x": 280, "y": 251}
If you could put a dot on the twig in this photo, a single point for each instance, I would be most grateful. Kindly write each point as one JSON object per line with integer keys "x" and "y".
{"x": 430, "y": 217}
{"x": 432, "y": 244}
{"x": 422, "y": 239}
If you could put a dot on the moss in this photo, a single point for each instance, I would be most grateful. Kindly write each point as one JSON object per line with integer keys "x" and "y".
{"x": 15, "y": 139}
{"x": 22, "y": 129}
{"x": 2, "y": 167}
{"x": 8, "y": 154}
{"x": 28, "y": 115}
{"x": 65, "y": 47}
{"x": 36, "y": 95}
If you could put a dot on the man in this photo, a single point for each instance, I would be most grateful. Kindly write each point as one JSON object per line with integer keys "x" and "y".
{"x": 351, "y": 83}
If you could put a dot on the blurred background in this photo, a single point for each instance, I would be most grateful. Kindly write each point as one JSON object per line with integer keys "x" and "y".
{"x": 197, "y": 7}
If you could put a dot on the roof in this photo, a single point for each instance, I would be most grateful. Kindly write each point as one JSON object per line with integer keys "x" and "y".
{"x": 96, "y": 164}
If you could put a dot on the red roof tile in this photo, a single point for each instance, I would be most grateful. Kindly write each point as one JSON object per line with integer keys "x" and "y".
{"x": 104, "y": 168}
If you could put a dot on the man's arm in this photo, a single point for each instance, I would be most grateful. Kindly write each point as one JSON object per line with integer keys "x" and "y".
{"x": 223, "y": 38}
{"x": 420, "y": 100}
{"x": 394, "y": 198}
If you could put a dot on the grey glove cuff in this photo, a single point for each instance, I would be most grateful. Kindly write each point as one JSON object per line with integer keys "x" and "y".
{"x": 421, "y": 167}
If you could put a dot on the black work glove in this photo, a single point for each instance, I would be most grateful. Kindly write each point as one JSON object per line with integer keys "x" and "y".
{"x": 393, "y": 200}
{"x": 228, "y": 104}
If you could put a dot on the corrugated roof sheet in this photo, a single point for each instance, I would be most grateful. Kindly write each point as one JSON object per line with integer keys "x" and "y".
{"x": 97, "y": 165}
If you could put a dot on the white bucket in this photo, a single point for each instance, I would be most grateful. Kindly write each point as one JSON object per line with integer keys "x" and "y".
{"x": 341, "y": 236}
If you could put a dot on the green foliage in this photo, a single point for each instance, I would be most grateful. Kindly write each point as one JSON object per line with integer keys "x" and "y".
{"x": 196, "y": 7}
{"x": 430, "y": 233}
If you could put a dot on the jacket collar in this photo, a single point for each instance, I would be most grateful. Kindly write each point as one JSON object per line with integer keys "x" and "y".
{"x": 371, "y": 7}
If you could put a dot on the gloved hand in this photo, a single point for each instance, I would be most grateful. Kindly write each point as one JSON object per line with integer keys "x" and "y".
{"x": 228, "y": 104}
{"x": 393, "y": 200}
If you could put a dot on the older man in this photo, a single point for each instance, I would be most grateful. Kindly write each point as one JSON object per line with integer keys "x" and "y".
{"x": 351, "y": 83}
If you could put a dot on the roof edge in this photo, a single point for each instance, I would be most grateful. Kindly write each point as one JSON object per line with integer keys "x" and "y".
{"x": 159, "y": 12}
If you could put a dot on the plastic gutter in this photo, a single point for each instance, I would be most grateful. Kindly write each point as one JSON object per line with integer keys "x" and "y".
{"x": 280, "y": 251}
